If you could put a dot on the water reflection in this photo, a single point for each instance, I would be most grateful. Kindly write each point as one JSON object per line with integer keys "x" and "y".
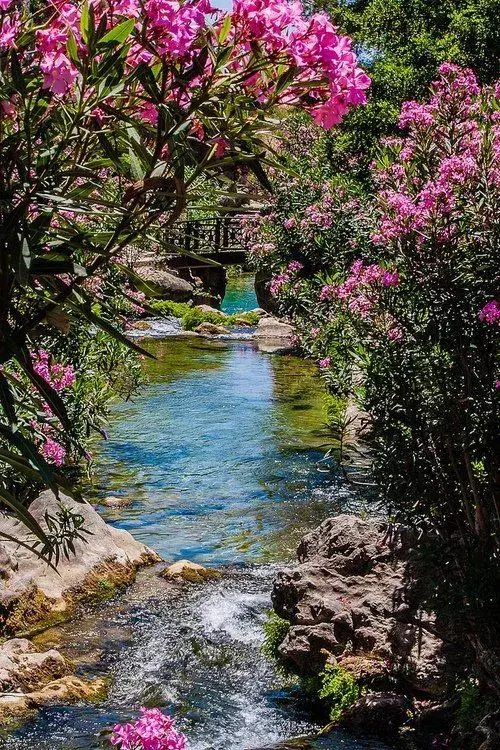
{"x": 222, "y": 452}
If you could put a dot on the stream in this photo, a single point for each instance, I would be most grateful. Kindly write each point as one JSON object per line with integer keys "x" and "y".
{"x": 223, "y": 455}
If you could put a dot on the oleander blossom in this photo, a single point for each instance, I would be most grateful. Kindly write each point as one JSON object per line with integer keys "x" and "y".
{"x": 490, "y": 313}
{"x": 152, "y": 731}
{"x": 422, "y": 197}
{"x": 57, "y": 375}
{"x": 172, "y": 31}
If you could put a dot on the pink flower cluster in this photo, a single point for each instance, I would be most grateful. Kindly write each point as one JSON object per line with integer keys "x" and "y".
{"x": 490, "y": 313}
{"x": 278, "y": 282}
{"x": 175, "y": 30}
{"x": 314, "y": 46}
{"x": 52, "y": 451}
{"x": 361, "y": 288}
{"x": 57, "y": 375}
{"x": 424, "y": 196}
{"x": 152, "y": 731}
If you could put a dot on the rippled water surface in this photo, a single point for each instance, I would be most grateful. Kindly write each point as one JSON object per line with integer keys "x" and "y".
{"x": 223, "y": 457}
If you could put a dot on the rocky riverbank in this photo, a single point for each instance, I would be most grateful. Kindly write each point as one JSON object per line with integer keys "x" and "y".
{"x": 32, "y": 592}
{"x": 353, "y": 604}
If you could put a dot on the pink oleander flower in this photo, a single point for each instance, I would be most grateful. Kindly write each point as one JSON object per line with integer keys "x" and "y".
{"x": 290, "y": 223}
{"x": 295, "y": 265}
{"x": 9, "y": 29}
{"x": 52, "y": 451}
{"x": 314, "y": 333}
{"x": 152, "y": 731}
{"x": 277, "y": 282}
{"x": 325, "y": 363}
{"x": 490, "y": 312}
{"x": 55, "y": 374}
{"x": 5, "y": 4}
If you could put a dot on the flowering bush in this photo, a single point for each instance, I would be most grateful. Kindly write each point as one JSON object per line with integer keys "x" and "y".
{"x": 152, "y": 731}
{"x": 110, "y": 115}
{"x": 418, "y": 313}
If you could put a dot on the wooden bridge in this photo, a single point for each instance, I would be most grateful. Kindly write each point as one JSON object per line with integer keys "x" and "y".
{"x": 203, "y": 242}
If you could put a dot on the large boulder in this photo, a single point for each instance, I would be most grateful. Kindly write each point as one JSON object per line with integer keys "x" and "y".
{"x": 272, "y": 329}
{"x": 354, "y": 594}
{"x": 264, "y": 297}
{"x": 24, "y": 669}
{"x": 171, "y": 287}
{"x": 31, "y": 590}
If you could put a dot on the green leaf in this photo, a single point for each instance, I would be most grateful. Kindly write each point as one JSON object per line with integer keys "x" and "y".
{"x": 7, "y": 399}
{"x": 53, "y": 399}
{"x": 24, "y": 515}
{"x": 225, "y": 29}
{"x": 118, "y": 34}
{"x": 17, "y": 73}
{"x": 23, "y": 466}
{"x": 72, "y": 48}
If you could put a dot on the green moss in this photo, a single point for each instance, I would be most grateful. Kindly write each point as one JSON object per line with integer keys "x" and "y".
{"x": 276, "y": 630}
{"x": 194, "y": 317}
{"x": 338, "y": 690}
{"x": 168, "y": 308}
{"x": 474, "y": 705}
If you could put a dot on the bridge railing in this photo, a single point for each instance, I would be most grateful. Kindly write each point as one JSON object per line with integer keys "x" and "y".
{"x": 210, "y": 236}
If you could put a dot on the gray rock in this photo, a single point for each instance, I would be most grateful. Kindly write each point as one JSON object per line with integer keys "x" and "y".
{"x": 353, "y": 596}
{"x": 23, "y": 668}
{"x": 172, "y": 287}
{"x": 273, "y": 329}
{"x": 210, "y": 329}
{"x": 34, "y": 590}
{"x": 382, "y": 714}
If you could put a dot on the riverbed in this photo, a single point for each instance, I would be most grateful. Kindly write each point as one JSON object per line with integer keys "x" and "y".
{"x": 223, "y": 457}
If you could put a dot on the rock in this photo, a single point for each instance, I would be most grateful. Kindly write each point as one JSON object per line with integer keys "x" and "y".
{"x": 171, "y": 287}
{"x": 354, "y": 595}
{"x": 188, "y": 571}
{"x": 24, "y": 669}
{"x": 210, "y": 283}
{"x": 259, "y": 311}
{"x": 274, "y": 329}
{"x": 141, "y": 325}
{"x": 69, "y": 690}
{"x": 242, "y": 323}
{"x": 210, "y": 329}
{"x": 116, "y": 501}
{"x": 264, "y": 297}
{"x": 15, "y": 709}
{"x": 7, "y": 565}
{"x": 33, "y": 591}
{"x": 382, "y": 714}
{"x": 210, "y": 310}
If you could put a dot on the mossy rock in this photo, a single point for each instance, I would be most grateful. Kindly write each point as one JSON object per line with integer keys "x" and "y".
{"x": 185, "y": 570}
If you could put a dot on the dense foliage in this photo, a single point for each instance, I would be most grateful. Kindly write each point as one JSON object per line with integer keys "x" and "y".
{"x": 405, "y": 317}
{"x": 403, "y": 42}
{"x": 109, "y": 115}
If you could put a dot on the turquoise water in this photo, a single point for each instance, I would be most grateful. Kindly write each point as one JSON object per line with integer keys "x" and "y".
{"x": 240, "y": 294}
{"x": 222, "y": 455}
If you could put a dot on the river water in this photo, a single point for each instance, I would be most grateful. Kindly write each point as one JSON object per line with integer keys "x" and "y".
{"x": 223, "y": 456}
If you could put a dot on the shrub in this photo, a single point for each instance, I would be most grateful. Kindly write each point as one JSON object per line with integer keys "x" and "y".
{"x": 338, "y": 689}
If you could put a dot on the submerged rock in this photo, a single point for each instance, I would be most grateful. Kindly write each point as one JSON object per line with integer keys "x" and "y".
{"x": 115, "y": 501}
{"x": 354, "y": 596}
{"x": 186, "y": 570}
{"x": 31, "y": 591}
{"x": 210, "y": 329}
{"x": 211, "y": 310}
